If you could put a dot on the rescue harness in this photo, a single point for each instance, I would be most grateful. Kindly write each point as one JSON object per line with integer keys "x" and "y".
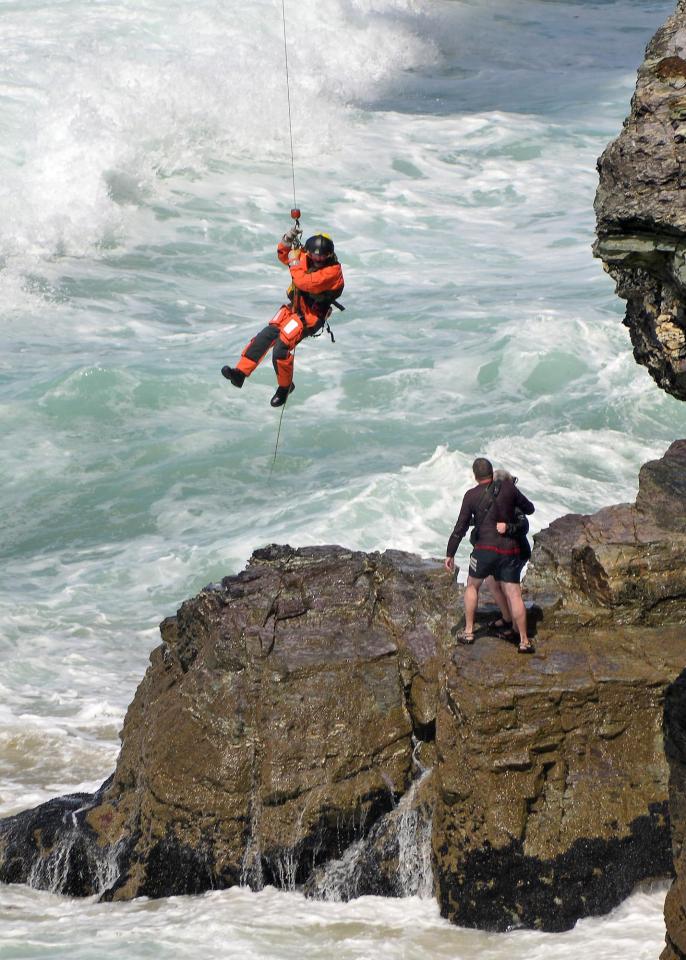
{"x": 328, "y": 299}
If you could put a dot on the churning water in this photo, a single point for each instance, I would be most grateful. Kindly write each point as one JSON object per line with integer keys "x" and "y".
{"x": 145, "y": 178}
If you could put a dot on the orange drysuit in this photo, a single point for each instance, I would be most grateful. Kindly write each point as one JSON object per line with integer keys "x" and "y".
{"x": 312, "y": 291}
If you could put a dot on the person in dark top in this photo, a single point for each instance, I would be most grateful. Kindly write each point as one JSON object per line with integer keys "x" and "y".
{"x": 491, "y": 507}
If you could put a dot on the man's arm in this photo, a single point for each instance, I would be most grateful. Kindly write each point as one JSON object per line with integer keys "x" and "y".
{"x": 525, "y": 505}
{"x": 518, "y": 528}
{"x": 509, "y": 527}
{"x": 461, "y": 527}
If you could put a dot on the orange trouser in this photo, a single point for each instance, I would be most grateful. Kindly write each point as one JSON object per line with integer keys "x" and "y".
{"x": 283, "y": 333}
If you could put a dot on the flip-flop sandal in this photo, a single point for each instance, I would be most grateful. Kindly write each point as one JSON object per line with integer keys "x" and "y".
{"x": 499, "y": 624}
{"x": 529, "y": 648}
{"x": 465, "y": 637}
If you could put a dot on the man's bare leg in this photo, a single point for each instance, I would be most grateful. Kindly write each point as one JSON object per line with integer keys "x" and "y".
{"x": 471, "y": 601}
{"x": 513, "y": 592}
{"x": 500, "y": 598}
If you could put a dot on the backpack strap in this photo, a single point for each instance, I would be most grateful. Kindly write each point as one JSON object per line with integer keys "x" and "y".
{"x": 490, "y": 493}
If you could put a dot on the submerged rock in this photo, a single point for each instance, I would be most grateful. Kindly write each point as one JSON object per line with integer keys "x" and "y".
{"x": 641, "y": 213}
{"x": 281, "y": 729}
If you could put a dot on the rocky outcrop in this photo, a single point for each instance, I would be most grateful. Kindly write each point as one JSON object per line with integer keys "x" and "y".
{"x": 641, "y": 209}
{"x": 624, "y": 564}
{"x": 275, "y": 726}
{"x": 313, "y": 721}
{"x": 552, "y": 783}
{"x": 641, "y": 227}
{"x": 552, "y": 786}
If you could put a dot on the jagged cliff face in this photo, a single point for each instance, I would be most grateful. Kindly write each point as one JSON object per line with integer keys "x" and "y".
{"x": 641, "y": 209}
{"x": 641, "y": 226}
{"x": 313, "y": 721}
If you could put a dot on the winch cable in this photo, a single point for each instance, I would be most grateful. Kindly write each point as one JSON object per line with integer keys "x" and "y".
{"x": 295, "y": 213}
{"x": 288, "y": 95}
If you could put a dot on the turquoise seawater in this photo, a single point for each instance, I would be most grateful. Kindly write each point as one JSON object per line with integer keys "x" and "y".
{"x": 450, "y": 149}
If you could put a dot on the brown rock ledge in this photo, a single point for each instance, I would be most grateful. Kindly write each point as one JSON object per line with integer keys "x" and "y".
{"x": 551, "y": 778}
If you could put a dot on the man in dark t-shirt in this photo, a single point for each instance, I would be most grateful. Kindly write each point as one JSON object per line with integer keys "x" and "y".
{"x": 490, "y": 506}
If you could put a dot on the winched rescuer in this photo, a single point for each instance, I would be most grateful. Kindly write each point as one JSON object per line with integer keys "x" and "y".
{"x": 316, "y": 283}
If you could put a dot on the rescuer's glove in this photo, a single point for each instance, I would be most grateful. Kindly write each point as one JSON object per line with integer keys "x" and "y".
{"x": 292, "y": 237}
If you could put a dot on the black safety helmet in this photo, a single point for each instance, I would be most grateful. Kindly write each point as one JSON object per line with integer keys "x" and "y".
{"x": 320, "y": 247}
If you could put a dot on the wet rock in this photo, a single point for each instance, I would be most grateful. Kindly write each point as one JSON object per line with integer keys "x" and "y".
{"x": 278, "y": 733}
{"x": 53, "y": 847}
{"x": 273, "y": 728}
{"x": 394, "y": 859}
{"x": 640, "y": 209}
{"x": 552, "y": 783}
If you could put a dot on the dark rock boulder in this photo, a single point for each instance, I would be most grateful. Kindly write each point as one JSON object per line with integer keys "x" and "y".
{"x": 53, "y": 847}
{"x": 641, "y": 209}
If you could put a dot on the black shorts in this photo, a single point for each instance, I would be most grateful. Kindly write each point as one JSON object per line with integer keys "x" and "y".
{"x": 504, "y": 567}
